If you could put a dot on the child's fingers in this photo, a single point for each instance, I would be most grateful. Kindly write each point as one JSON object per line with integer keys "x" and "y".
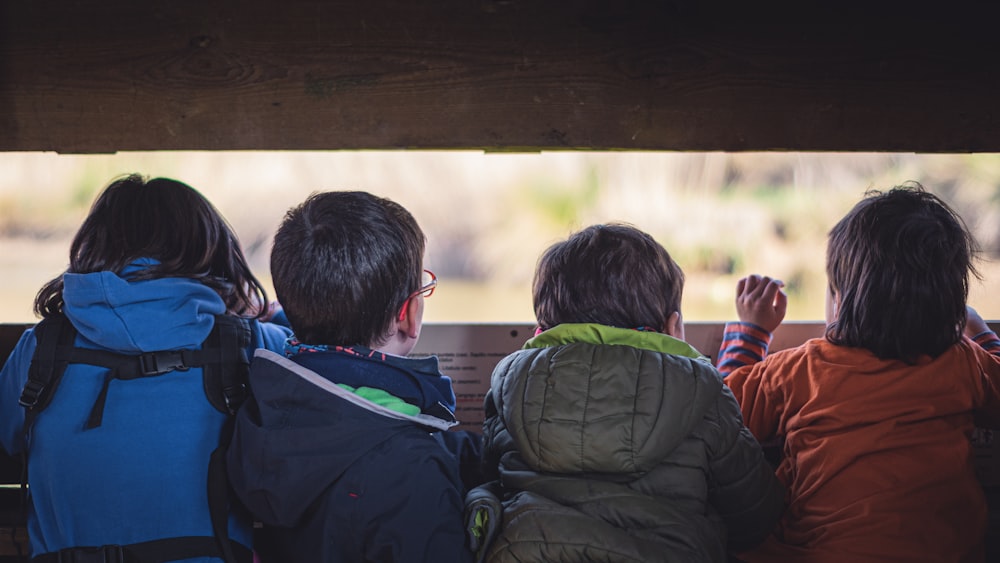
{"x": 771, "y": 289}
{"x": 781, "y": 302}
{"x": 761, "y": 301}
{"x": 740, "y": 286}
{"x": 762, "y": 287}
{"x": 752, "y": 284}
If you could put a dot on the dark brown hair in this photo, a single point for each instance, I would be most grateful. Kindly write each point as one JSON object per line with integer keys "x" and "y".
{"x": 611, "y": 274}
{"x": 170, "y": 222}
{"x": 900, "y": 262}
{"x": 343, "y": 264}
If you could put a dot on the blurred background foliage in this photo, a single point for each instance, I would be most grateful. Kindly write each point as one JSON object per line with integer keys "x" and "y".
{"x": 489, "y": 216}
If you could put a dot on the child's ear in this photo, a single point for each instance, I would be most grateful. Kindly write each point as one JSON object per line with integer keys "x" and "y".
{"x": 675, "y": 325}
{"x": 410, "y": 318}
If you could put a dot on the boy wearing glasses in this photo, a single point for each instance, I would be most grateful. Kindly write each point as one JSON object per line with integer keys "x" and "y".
{"x": 344, "y": 452}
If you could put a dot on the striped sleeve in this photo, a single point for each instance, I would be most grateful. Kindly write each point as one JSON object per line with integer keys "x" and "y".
{"x": 988, "y": 341}
{"x": 744, "y": 344}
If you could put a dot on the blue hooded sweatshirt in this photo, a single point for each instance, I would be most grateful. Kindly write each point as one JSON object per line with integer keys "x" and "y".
{"x": 142, "y": 474}
{"x": 338, "y": 478}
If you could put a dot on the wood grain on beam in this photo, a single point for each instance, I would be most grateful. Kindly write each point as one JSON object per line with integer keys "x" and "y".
{"x": 494, "y": 75}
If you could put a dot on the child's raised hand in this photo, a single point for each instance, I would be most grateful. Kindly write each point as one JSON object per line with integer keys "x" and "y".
{"x": 974, "y": 324}
{"x": 760, "y": 300}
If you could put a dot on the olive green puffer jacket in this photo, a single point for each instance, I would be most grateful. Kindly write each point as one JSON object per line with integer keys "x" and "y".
{"x": 620, "y": 445}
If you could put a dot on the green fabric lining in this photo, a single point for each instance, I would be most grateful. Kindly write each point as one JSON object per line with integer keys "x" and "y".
{"x": 568, "y": 333}
{"x": 383, "y": 399}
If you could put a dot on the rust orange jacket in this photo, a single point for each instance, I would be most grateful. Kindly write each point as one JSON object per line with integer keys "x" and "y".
{"x": 877, "y": 454}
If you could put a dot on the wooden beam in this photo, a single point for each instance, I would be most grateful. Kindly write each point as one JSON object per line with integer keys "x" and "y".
{"x": 494, "y": 75}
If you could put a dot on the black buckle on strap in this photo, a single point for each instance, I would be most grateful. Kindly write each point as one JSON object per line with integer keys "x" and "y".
{"x": 103, "y": 554}
{"x": 156, "y": 363}
{"x": 31, "y": 393}
{"x": 234, "y": 396}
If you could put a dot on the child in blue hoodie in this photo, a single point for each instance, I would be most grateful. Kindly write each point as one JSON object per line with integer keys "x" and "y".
{"x": 118, "y": 466}
{"x": 344, "y": 451}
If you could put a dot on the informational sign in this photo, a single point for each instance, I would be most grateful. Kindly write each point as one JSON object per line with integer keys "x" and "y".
{"x": 467, "y": 353}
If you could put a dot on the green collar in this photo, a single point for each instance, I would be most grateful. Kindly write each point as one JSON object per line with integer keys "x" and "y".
{"x": 569, "y": 333}
{"x": 383, "y": 398}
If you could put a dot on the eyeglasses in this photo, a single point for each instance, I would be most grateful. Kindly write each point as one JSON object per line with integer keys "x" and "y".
{"x": 427, "y": 289}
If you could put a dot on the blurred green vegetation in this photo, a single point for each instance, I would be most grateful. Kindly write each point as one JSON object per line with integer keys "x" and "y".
{"x": 489, "y": 216}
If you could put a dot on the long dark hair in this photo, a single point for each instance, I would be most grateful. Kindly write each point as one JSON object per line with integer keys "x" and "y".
{"x": 611, "y": 274}
{"x": 164, "y": 220}
{"x": 900, "y": 263}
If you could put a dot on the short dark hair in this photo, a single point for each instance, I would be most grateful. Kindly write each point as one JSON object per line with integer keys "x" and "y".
{"x": 900, "y": 262}
{"x": 609, "y": 274}
{"x": 168, "y": 221}
{"x": 343, "y": 264}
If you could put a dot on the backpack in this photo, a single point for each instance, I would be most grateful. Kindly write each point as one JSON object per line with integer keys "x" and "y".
{"x": 225, "y": 366}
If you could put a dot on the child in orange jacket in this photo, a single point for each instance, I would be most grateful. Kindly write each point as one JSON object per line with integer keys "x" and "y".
{"x": 876, "y": 417}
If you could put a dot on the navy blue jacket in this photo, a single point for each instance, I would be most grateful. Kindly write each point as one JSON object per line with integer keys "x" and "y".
{"x": 337, "y": 478}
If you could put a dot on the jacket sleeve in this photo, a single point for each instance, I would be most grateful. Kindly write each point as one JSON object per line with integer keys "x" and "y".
{"x": 421, "y": 517}
{"x": 743, "y": 344}
{"x": 492, "y": 426}
{"x": 496, "y": 437}
{"x": 987, "y": 413}
{"x": 467, "y": 447}
{"x": 988, "y": 341}
{"x": 12, "y": 379}
{"x": 270, "y": 336}
{"x": 743, "y": 487}
{"x": 761, "y": 405}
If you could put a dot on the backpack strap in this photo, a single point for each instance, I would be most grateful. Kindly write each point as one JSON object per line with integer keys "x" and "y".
{"x": 227, "y": 387}
{"x": 155, "y": 551}
{"x": 225, "y": 364}
{"x": 220, "y": 497}
{"x": 222, "y": 357}
{"x": 125, "y": 367}
{"x": 54, "y": 336}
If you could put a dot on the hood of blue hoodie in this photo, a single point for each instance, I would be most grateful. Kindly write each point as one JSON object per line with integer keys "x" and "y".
{"x": 140, "y": 316}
